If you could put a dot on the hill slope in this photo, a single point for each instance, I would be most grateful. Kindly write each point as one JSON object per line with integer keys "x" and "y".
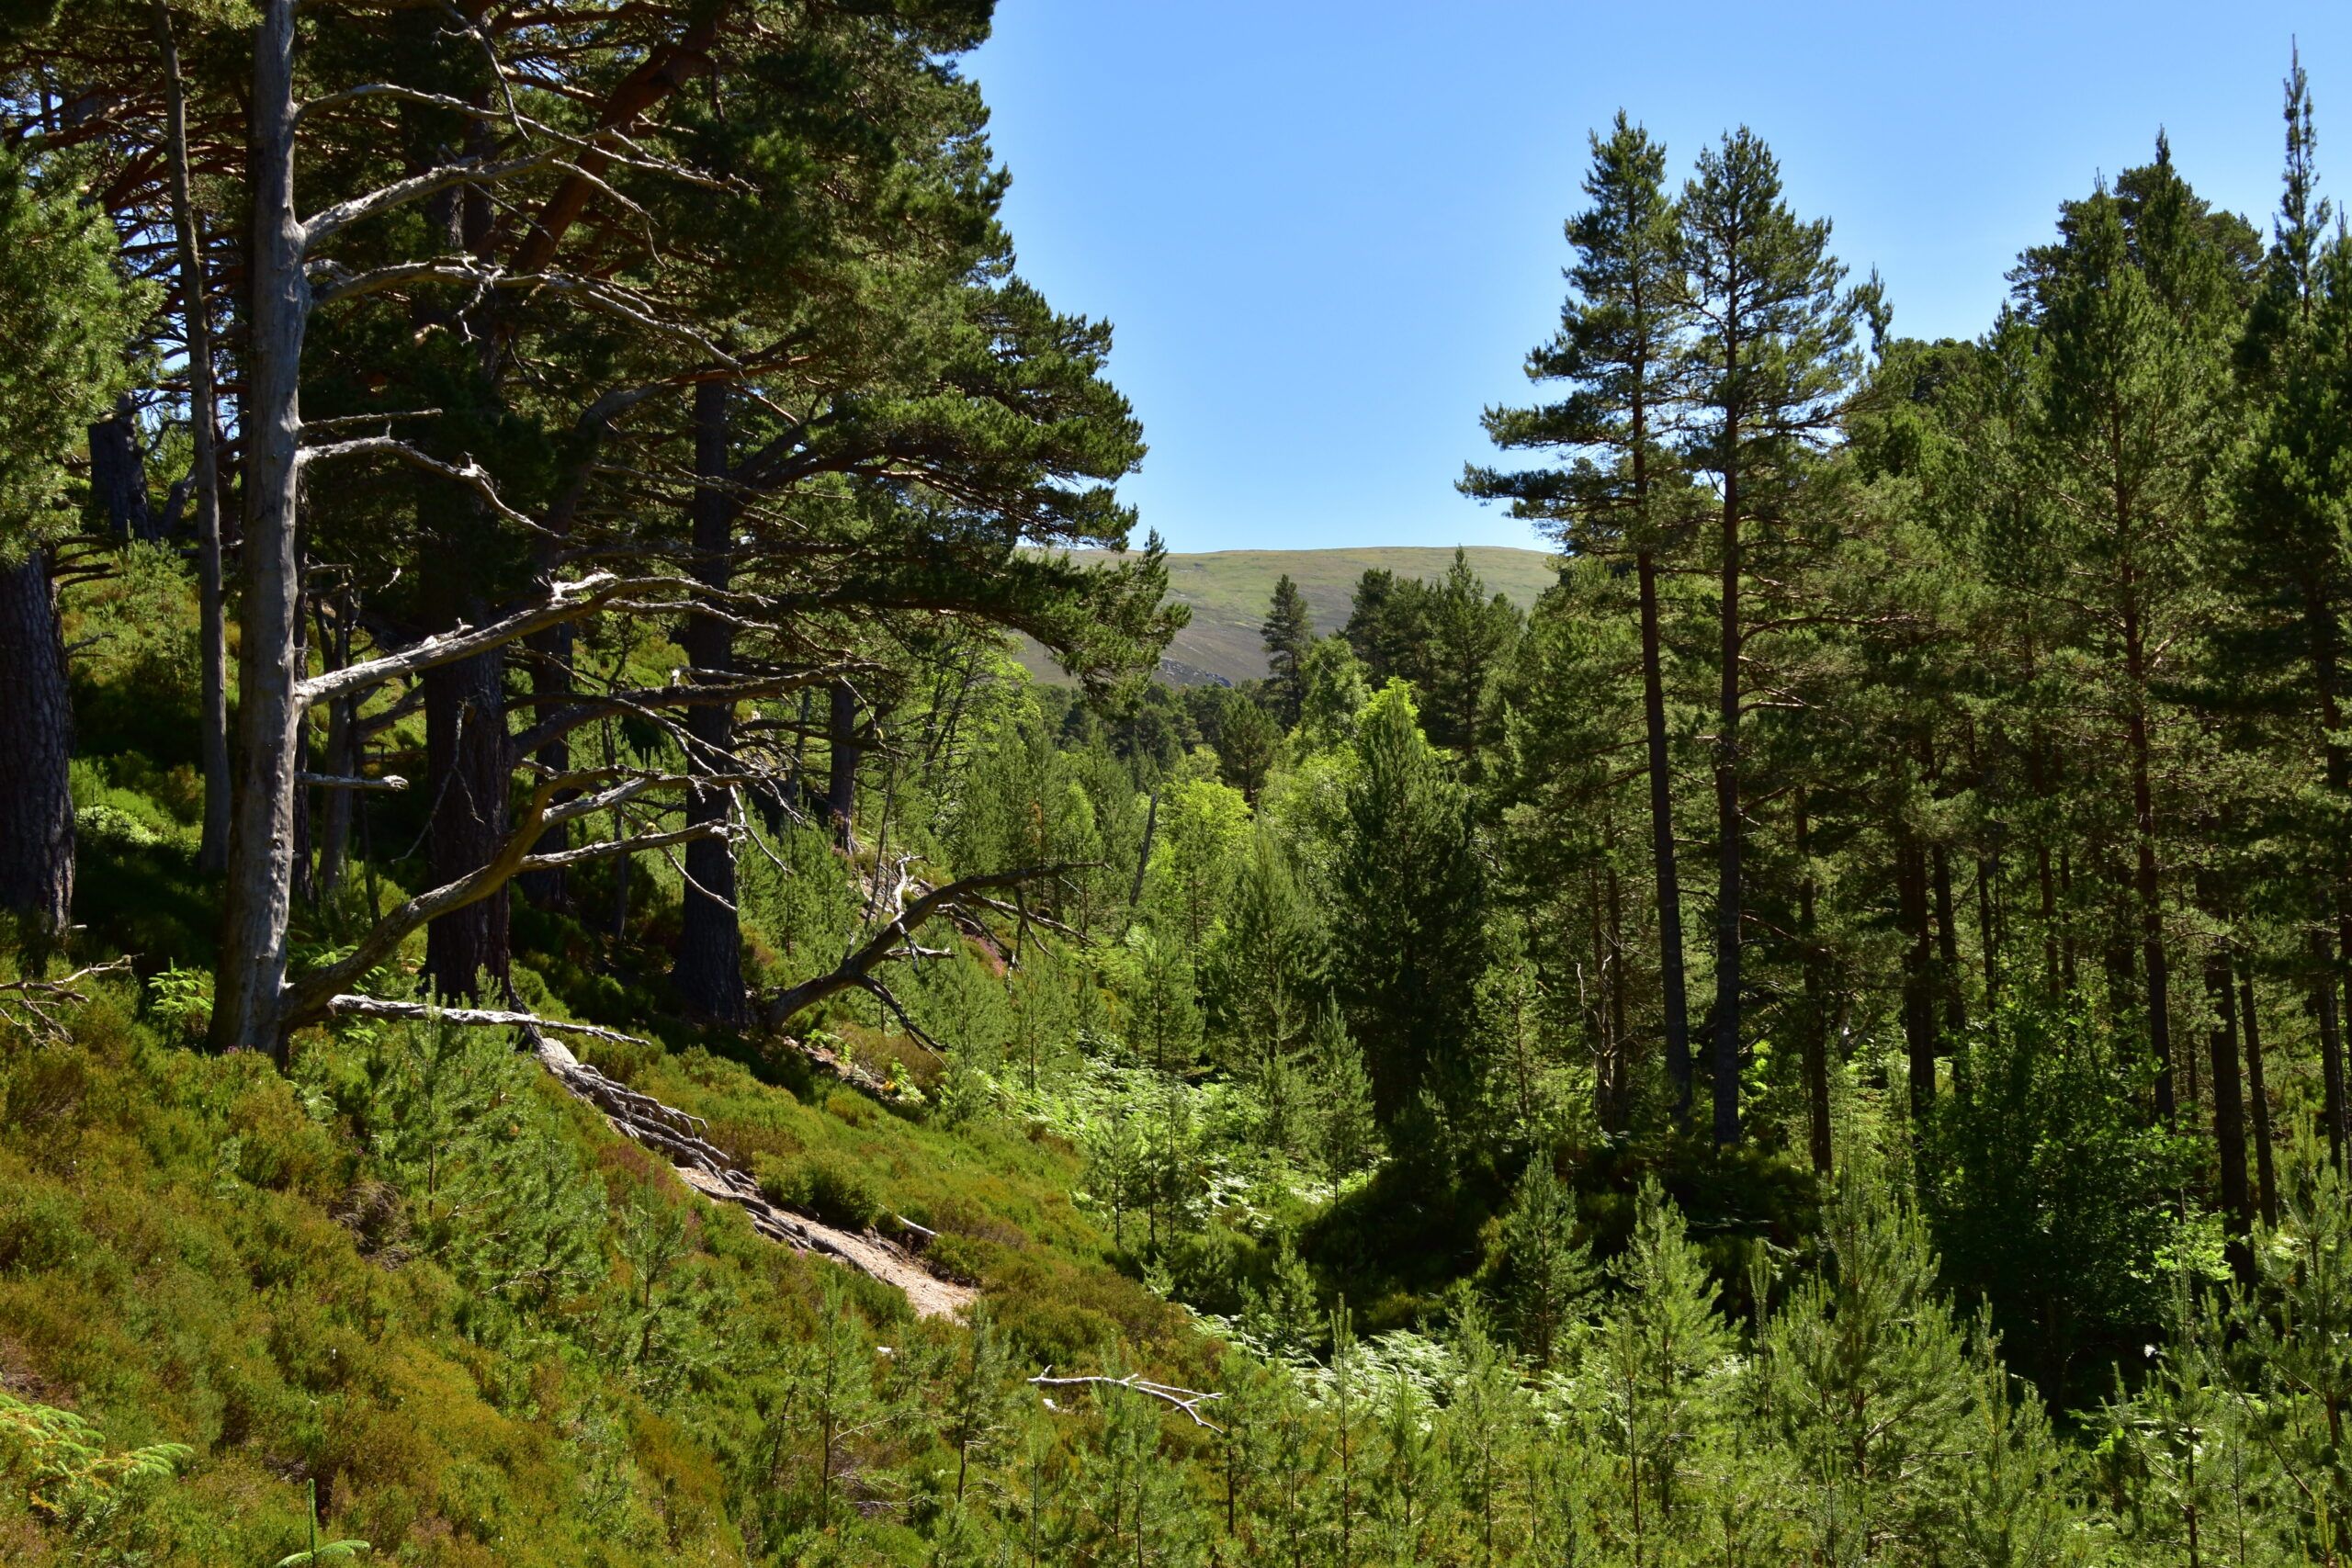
{"x": 1227, "y": 590}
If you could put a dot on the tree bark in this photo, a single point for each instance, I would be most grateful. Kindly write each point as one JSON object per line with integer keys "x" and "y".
{"x": 840, "y": 783}
{"x": 467, "y": 952}
{"x": 2331, "y": 1049}
{"x": 2259, "y": 1097}
{"x": 118, "y": 474}
{"x": 1672, "y": 983}
{"x": 253, "y": 947}
{"x": 204, "y": 425}
{"x": 551, "y": 686}
{"x": 1919, "y": 981}
{"x": 1816, "y": 1004}
{"x": 36, "y": 744}
{"x": 341, "y": 758}
{"x": 2228, "y": 1107}
{"x": 708, "y": 973}
{"x": 2145, "y": 880}
{"x": 1948, "y": 971}
{"x": 1727, "y": 841}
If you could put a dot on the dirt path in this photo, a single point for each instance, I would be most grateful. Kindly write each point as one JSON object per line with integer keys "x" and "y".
{"x": 681, "y": 1139}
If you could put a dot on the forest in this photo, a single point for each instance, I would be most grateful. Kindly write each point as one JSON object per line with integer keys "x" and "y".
{"x": 565, "y": 998}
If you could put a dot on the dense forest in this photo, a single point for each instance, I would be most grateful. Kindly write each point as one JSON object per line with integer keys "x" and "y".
{"x": 565, "y": 1000}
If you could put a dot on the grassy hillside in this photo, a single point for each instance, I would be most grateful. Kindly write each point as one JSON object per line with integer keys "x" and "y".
{"x": 1226, "y": 590}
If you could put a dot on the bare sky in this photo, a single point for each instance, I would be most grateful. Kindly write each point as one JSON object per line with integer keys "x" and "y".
{"x": 1328, "y": 232}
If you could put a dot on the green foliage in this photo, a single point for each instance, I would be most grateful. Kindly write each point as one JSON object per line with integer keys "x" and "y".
{"x": 71, "y": 1478}
{"x": 2046, "y": 1188}
{"x": 1547, "y": 1273}
{"x": 67, "y": 314}
{"x": 1409, "y": 931}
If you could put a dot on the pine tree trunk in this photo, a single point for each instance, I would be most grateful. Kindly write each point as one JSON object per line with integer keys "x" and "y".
{"x": 551, "y": 687}
{"x": 1988, "y": 932}
{"x": 212, "y": 851}
{"x": 1619, "y": 1068}
{"x": 341, "y": 758}
{"x": 36, "y": 744}
{"x": 1669, "y": 887}
{"x": 118, "y": 474}
{"x": 708, "y": 973}
{"x": 2330, "y": 1048}
{"x": 2154, "y": 962}
{"x": 1727, "y": 840}
{"x": 260, "y": 878}
{"x": 2229, "y": 1108}
{"x": 468, "y": 770}
{"x": 841, "y": 784}
{"x": 1816, "y": 1005}
{"x": 2259, "y": 1096}
{"x": 1947, "y": 972}
{"x": 1918, "y": 980}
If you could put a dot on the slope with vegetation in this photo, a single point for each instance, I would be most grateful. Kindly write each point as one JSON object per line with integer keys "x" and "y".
{"x": 1817, "y": 1038}
{"x": 1223, "y": 593}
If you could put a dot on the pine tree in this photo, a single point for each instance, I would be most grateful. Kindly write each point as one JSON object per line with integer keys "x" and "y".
{"x": 1410, "y": 929}
{"x": 1767, "y": 369}
{"x": 1548, "y": 1272}
{"x": 1614, "y": 488}
{"x": 977, "y": 1406}
{"x": 68, "y": 317}
{"x": 1288, "y": 632}
{"x": 1261, "y": 979}
{"x": 1652, "y": 1359}
{"x": 1342, "y": 1131}
{"x": 1470, "y": 640}
{"x": 1866, "y": 1380}
{"x": 1247, "y": 741}
{"x": 1163, "y": 1010}
{"x": 2283, "y": 644}
{"x": 2130, "y": 303}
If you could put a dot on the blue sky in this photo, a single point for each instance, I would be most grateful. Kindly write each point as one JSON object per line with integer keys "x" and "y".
{"x": 1328, "y": 232}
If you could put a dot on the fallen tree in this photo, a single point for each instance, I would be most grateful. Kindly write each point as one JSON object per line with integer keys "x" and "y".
{"x": 894, "y": 939}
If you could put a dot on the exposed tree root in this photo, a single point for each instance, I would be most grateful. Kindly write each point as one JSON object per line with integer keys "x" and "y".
{"x": 681, "y": 1139}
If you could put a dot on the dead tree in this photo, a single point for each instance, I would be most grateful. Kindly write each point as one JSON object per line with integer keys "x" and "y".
{"x": 895, "y": 939}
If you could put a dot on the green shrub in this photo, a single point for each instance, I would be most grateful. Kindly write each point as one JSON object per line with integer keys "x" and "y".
{"x": 822, "y": 1184}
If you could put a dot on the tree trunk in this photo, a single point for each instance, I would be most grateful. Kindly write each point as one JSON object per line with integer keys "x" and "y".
{"x": 1918, "y": 980}
{"x": 118, "y": 474}
{"x": 1727, "y": 844}
{"x": 1669, "y": 887}
{"x": 37, "y": 722}
{"x": 1619, "y": 1068}
{"x": 2259, "y": 1096}
{"x": 2331, "y": 1049}
{"x": 1816, "y": 1005}
{"x": 467, "y": 953}
{"x": 1947, "y": 972}
{"x": 252, "y": 947}
{"x": 2154, "y": 962}
{"x": 204, "y": 425}
{"x": 341, "y": 758}
{"x": 1989, "y": 934}
{"x": 841, "y": 784}
{"x": 2228, "y": 1107}
{"x": 551, "y": 685}
{"x": 709, "y": 970}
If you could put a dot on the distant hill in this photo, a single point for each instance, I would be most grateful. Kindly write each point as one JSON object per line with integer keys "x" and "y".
{"x": 1227, "y": 590}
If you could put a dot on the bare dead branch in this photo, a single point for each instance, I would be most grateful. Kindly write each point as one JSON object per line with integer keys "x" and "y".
{"x": 1187, "y": 1400}
{"x": 566, "y": 600}
{"x": 339, "y": 781}
{"x": 856, "y": 967}
{"x": 350, "y": 1005}
{"x": 26, "y": 1003}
